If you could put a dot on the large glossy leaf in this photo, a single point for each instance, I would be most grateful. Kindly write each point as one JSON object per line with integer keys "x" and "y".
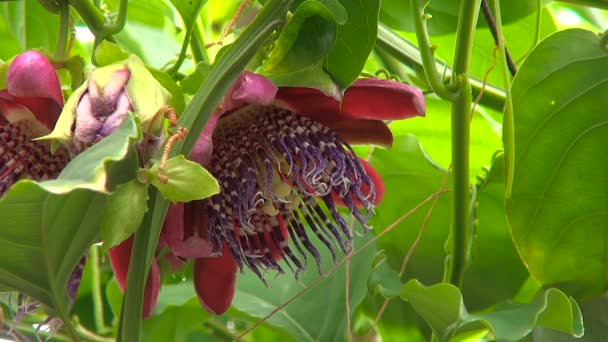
{"x": 356, "y": 39}
{"x": 305, "y": 40}
{"x": 442, "y": 307}
{"x": 47, "y": 227}
{"x": 317, "y": 315}
{"x": 558, "y": 211}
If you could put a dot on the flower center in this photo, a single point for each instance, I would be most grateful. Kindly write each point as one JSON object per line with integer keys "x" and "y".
{"x": 278, "y": 171}
{"x": 20, "y": 157}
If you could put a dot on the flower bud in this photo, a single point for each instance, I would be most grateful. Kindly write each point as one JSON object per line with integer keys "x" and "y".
{"x": 100, "y": 105}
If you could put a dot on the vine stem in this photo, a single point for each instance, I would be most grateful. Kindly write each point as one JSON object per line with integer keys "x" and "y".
{"x": 508, "y": 134}
{"x": 461, "y": 108}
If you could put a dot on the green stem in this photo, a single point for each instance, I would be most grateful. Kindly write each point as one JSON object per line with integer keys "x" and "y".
{"x": 64, "y": 28}
{"x": 186, "y": 42}
{"x": 119, "y": 23}
{"x": 461, "y": 109}
{"x": 197, "y": 45}
{"x": 508, "y": 133}
{"x": 90, "y": 14}
{"x": 195, "y": 116}
{"x": 427, "y": 54}
{"x": 407, "y": 53}
{"x": 96, "y": 290}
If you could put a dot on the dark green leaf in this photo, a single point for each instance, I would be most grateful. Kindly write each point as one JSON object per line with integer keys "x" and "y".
{"x": 305, "y": 40}
{"x": 443, "y": 309}
{"x": 47, "y": 227}
{"x": 356, "y": 39}
{"x": 123, "y": 212}
{"x": 384, "y": 279}
{"x": 187, "y": 180}
{"x": 192, "y": 82}
{"x": 557, "y": 210}
{"x": 175, "y": 323}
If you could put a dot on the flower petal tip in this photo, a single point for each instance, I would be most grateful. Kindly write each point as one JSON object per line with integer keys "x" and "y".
{"x": 249, "y": 88}
{"x": 215, "y": 280}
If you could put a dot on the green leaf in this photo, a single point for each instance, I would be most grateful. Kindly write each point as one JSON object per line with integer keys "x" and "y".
{"x": 384, "y": 279}
{"x": 108, "y": 53}
{"x": 306, "y": 319}
{"x": 192, "y": 82}
{"x": 178, "y": 102}
{"x": 30, "y": 23}
{"x": 355, "y": 41}
{"x": 176, "y": 323}
{"x": 442, "y": 307}
{"x": 96, "y": 168}
{"x": 410, "y": 176}
{"x": 123, "y": 212}
{"x": 310, "y": 77}
{"x": 48, "y": 226}
{"x": 557, "y": 211}
{"x": 187, "y": 180}
{"x": 305, "y": 40}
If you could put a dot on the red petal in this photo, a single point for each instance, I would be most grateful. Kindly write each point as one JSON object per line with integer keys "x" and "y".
{"x": 374, "y": 98}
{"x": 376, "y": 179}
{"x": 180, "y": 231}
{"x": 120, "y": 256}
{"x": 214, "y": 281}
{"x": 368, "y": 98}
{"x": 363, "y": 132}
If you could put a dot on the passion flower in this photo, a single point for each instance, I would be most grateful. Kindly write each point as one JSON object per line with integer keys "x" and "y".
{"x": 283, "y": 159}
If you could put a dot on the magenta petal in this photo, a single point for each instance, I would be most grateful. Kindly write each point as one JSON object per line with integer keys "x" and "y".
{"x": 214, "y": 281}
{"x": 31, "y": 78}
{"x": 193, "y": 246}
{"x": 249, "y": 88}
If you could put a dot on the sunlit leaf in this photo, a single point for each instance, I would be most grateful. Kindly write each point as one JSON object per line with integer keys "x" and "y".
{"x": 443, "y": 309}
{"x": 557, "y": 210}
{"x": 186, "y": 180}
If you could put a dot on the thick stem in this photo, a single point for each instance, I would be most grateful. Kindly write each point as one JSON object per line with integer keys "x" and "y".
{"x": 64, "y": 28}
{"x": 197, "y": 45}
{"x": 461, "y": 109}
{"x": 426, "y": 52}
{"x": 90, "y": 15}
{"x": 119, "y": 23}
{"x": 100, "y": 325}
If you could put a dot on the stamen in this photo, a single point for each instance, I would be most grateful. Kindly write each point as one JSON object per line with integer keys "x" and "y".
{"x": 279, "y": 172}
{"x": 22, "y": 158}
